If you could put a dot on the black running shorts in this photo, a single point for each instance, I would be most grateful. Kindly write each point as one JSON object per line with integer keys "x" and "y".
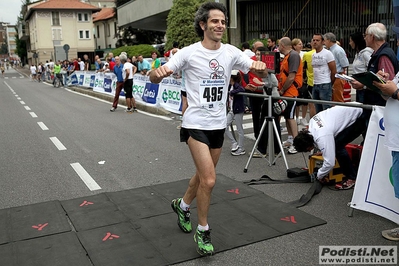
{"x": 213, "y": 138}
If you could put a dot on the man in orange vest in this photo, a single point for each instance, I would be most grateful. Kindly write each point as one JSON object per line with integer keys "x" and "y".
{"x": 289, "y": 81}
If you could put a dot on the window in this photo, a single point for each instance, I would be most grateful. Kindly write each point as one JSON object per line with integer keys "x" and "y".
{"x": 84, "y": 34}
{"x": 57, "y": 34}
{"x": 55, "y": 18}
{"x": 83, "y": 16}
{"x": 98, "y": 31}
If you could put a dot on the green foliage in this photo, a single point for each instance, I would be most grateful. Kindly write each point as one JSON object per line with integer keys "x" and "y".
{"x": 4, "y": 48}
{"x": 180, "y": 23}
{"x": 135, "y": 50}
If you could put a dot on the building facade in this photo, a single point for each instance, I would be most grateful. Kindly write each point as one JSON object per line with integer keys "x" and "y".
{"x": 257, "y": 19}
{"x": 52, "y": 24}
{"x": 105, "y": 31}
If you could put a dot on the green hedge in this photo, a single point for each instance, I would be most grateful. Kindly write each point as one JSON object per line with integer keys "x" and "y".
{"x": 135, "y": 50}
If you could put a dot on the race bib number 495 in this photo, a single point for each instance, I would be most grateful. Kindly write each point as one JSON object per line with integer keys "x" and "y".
{"x": 211, "y": 93}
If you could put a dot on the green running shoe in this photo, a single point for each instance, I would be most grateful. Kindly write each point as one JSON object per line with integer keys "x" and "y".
{"x": 203, "y": 240}
{"x": 183, "y": 217}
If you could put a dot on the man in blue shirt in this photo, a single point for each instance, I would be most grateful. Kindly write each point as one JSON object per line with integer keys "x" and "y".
{"x": 143, "y": 66}
{"x": 118, "y": 70}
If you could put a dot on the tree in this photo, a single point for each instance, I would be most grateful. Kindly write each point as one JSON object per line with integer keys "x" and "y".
{"x": 20, "y": 44}
{"x": 180, "y": 27}
{"x": 4, "y": 48}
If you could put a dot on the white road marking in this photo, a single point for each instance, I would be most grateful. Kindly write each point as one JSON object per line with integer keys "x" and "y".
{"x": 33, "y": 114}
{"x": 16, "y": 95}
{"x": 21, "y": 77}
{"x": 27, "y": 108}
{"x": 86, "y": 178}
{"x": 19, "y": 98}
{"x": 22, "y": 102}
{"x": 14, "y": 77}
{"x": 58, "y": 144}
{"x": 42, "y": 126}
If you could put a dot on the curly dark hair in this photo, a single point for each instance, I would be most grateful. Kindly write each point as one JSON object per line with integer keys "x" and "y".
{"x": 203, "y": 15}
{"x": 303, "y": 141}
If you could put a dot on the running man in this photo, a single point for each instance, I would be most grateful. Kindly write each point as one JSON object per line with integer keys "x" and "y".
{"x": 207, "y": 66}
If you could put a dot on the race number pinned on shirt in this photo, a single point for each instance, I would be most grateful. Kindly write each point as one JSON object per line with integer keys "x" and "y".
{"x": 212, "y": 94}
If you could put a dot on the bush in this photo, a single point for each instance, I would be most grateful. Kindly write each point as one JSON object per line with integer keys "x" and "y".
{"x": 135, "y": 50}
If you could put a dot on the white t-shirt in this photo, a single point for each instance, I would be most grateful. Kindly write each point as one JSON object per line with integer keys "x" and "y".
{"x": 206, "y": 79}
{"x": 321, "y": 71}
{"x": 33, "y": 70}
{"x": 51, "y": 65}
{"x": 128, "y": 66}
{"x": 325, "y": 126}
{"x": 81, "y": 65}
{"x": 361, "y": 60}
{"x": 391, "y": 121}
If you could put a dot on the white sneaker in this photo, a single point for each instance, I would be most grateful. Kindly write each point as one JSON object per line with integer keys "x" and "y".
{"x": 287, "y": 144}
{"x": 292, "y": 150}
{"x": 234, "y": 147}
{"x": 298, "y": 120}
{"x": 238, "y": 152}
{"x": 282, "y": 129}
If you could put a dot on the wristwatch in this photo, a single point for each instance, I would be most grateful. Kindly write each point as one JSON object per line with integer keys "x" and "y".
{"x": 395, "y": 95}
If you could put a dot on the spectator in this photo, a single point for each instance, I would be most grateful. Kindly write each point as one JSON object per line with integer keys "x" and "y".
{"x": 271, "y": 44}
{"x": 297, "y": 45}
{"x": 308, "y": 69}
{"x": 155, "y": 61}
{"x": 57, "y": 72}
{"x": 236, "y": 113}
{"x": 127, "y": 73}
{"x": 172, "y": 51}
{"x": 111, "y": 64}
{"x": 324, "y": 70}
{"x": 330, "y": 131}
{"x": 341, "y": 64}
{"x": 245, "y": 48}
{"x": 383, "y": 57}
{"x": 99, "y": 65}
{"x": 87, "y": 63}
{"x": 33, "y": 72}
{"x": 96, "y": 63}
{"x": 204, "y": 118}
{"x": 118, "y": 70}
{"x": 81, "y": 64}
{"x": 291, "y": 79}
{"x": 362, "y": 58}
{"x": 143, "y": 66}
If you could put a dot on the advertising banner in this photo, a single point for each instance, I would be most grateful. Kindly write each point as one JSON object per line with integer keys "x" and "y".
{"x": 374, "y": 190}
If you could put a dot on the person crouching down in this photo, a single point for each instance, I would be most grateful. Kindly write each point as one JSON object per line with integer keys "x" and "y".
{"x": 329, "y": 132}
{"x": 236, "y": 113}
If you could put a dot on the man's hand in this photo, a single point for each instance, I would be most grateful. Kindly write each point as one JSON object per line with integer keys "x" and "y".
{"x": 159, "y": 73}
{"x": 250, "y": 87}
{"x": 357, "y": 85}
{"x": 388, "y": 88}
{"x": 259, "y": 68}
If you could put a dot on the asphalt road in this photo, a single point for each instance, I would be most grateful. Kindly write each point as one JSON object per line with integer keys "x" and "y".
{"x": 120, "y": 151}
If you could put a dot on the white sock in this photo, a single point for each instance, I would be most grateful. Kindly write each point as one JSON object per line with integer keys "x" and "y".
{"x": 184, "y": 206}
{"x": 203, "y": 228}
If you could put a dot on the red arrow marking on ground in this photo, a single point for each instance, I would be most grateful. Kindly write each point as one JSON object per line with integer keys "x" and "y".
{"x": 85, "y": 203}
{"x": 236, "y": 191}
{"x": 39, "y": 227}
{"x": 289, "y": 219}
{"x": 109, "y": 236}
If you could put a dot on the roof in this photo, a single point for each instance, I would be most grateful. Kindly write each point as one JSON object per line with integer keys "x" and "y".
{"x": 61, "y": 4}
{"x": 105, "y": 13}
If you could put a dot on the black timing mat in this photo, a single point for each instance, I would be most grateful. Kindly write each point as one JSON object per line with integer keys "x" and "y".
{"x": 138, "y": 226}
